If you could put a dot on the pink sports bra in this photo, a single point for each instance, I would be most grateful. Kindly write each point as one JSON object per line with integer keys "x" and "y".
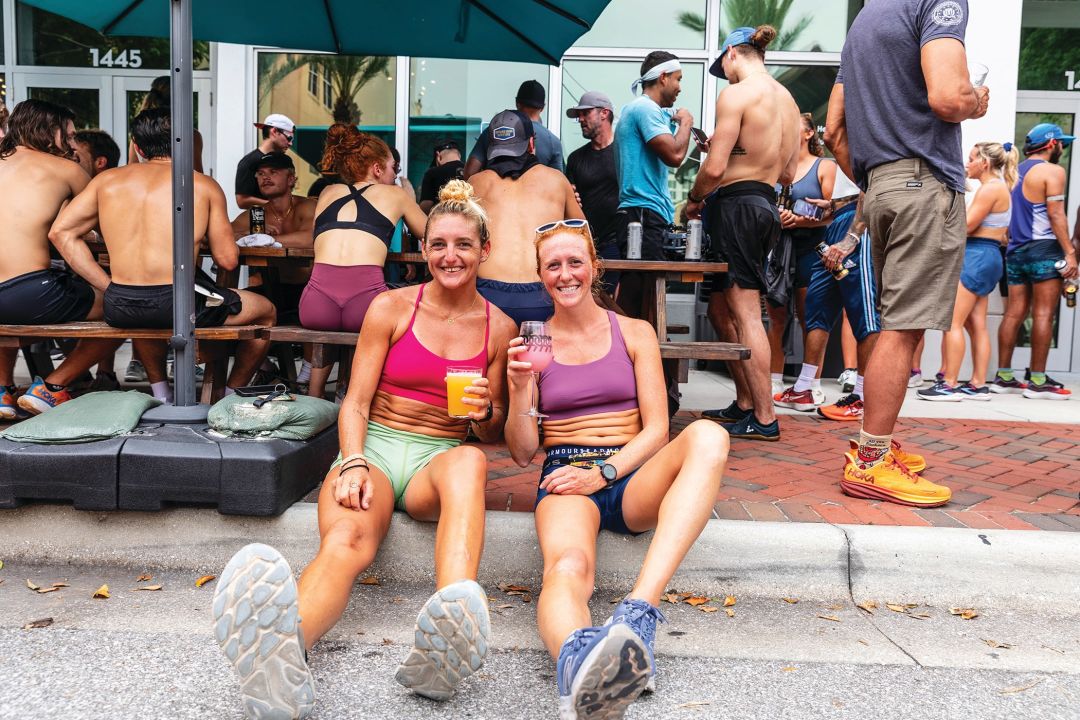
{"x": 412, "y": 371}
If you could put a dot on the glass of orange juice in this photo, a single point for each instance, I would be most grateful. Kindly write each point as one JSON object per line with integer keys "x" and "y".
{"x": 457, "y": 379}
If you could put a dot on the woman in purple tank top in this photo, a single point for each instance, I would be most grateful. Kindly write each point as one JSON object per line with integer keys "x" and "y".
{"x": 609, "y": 466}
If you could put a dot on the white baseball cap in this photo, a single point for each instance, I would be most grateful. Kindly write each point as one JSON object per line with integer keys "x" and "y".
{"x": 276, "y": 120}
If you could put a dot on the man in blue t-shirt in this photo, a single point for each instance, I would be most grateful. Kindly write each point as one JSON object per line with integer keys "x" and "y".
{"x": 530, "y": 100}
{"x": 649, "y": 139}
{"x": 894, "y": 126}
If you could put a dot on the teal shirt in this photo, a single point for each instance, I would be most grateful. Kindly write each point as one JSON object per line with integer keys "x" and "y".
{"x": 643, "y": 176}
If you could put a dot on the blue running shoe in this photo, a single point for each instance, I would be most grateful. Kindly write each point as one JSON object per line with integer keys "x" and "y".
{"x": 642, "y": 617}
{"x": 968, "y": 391}
{"x": 940, "y": 392}
{"x": 601, "y": 670}
{"x": 750, "y": 429}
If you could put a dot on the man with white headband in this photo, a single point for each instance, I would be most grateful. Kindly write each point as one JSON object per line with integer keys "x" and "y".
{"x": 649, "y": 139}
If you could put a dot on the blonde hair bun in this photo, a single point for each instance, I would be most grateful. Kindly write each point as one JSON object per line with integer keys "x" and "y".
{"x": 456, "y": 190}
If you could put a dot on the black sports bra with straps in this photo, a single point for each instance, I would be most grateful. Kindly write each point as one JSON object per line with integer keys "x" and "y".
{"x": 367, "y": 219}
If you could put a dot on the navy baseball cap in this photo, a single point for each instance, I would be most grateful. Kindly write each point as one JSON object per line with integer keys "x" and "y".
{"x": 1043, "y": 133}
{"x": 738, "y": 36}
{"x": 509, "y": 132}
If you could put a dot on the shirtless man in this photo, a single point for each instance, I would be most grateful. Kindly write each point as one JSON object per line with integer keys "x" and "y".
{"x": 755, "y": 145}
{"x": 38, "y": 176}
{"x": 133, "y": 207}
{"x": 519, "y": 195}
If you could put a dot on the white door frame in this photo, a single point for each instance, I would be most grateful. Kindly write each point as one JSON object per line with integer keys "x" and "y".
{"x": 122, "y": 84}
{"x": 22, "y": 81}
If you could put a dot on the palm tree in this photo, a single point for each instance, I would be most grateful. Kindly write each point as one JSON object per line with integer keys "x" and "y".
{"x": 347, "y": 74}
{"x": 752, "y": 13}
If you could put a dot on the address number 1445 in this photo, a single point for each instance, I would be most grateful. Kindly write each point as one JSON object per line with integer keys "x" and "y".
{"x": 124, "y": 59}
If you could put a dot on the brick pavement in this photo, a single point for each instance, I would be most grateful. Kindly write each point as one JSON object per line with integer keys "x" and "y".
{"x": 1022, "y": 476}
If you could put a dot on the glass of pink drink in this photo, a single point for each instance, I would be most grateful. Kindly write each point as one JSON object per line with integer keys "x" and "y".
{"x": 538, "y": 352}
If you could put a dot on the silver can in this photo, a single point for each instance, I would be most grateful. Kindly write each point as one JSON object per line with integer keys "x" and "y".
{"x": 633, "y": 241}
{"x": 694, "y": 232}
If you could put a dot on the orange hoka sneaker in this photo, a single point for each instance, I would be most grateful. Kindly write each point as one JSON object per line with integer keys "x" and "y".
{"x": 891, "y": 480}
{"x": 9, "y": 410}
{"x": 38, "y": 398}
{"x": 915, "y": 463}
{"x": 846, "y": 409}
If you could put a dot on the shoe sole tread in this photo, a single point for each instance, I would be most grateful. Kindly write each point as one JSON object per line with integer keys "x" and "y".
{"x": 612, "y": 677}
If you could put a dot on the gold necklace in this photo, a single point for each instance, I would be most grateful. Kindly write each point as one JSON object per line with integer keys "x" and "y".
{"x": 283, "y": 218}
{"x": 451, "y": 318}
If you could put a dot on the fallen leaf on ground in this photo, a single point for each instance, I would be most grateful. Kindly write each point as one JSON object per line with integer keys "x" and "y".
{"x": 204, "y": 579}
{"x": 370, "y": 580}
{"x": 42, "y": 591}
{"x": 730, "y": 612}
{"x": 694, "y": 704}
{"x": 615, "y": 601}
{"x": 514, "y": 588}
{"x": 697, "y": 600}
{"x": 865, "y": 643}
{"x": 31, "y": 585}
{"x": 996, "y": 645}
{"x": 896, "y": 608}
{"x": 387, "y": 641}
{"x": 149, "y": 587}
{"x": 1, "y": 581}
{"x": 33, "y": 624}
{"x": 708, "y": 608}
{"x": 1054, "y": 649}
{"x": 789, "y": 668}
{"x": 831, "y": 618}
{"x": 1021, "y": 688}
{"x": 145, "y": 577}
{"x": 790, "y": 601}
{"x": 835, "y": 606}
{"x": 729, "y": 601}
{"x": 868, "y": 605}
{"x": 683, "y": 596}
{"x": 919, "y": 616}
{"x": 671, "y": 598}
{"x": 965, "y": 613}
{"x": 526, "y": 598}
{"x": 101, "y": 593}
{"x": 59, "y": 584}
{"x": 504, "y": 606}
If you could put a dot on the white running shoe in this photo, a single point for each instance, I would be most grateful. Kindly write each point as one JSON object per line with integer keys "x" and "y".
{"x": 915, "y": 380}
{"x": 846, "y": 381}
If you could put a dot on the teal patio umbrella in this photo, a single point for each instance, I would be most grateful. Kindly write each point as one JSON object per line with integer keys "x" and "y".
{"x": 537, "y": 31}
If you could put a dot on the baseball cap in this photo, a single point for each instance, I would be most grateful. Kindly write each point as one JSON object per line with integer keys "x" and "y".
{"x": 591, "y": 99}
{"x": 446, "y": 144}
{"x": 275, "y": 160}
{"x": 509, "y": 134}
{"x": 1044, "y": 133}
{"x": 532, "y": 94}
{"x": 276, "y": 120}
{"x": 738, "y": 36}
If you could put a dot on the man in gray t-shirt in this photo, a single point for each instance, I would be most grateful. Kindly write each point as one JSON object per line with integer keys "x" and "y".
{"x": 894, "y": 126}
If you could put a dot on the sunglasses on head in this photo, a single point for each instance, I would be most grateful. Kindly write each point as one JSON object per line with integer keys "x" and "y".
{"x": 572, "y": 223}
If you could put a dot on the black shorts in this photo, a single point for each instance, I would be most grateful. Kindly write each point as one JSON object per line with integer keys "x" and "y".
{"x": 744, "y": 226}
{"x": 45, "y": 297}
{"x": 151, "y": 306}
{"x": 653, "y": 231}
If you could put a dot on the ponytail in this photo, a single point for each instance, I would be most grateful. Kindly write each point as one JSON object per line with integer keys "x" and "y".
{"x": 1002, "y": 158}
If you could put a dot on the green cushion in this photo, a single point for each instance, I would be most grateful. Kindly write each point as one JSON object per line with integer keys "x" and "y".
{"x": 94, "y": 416}
{"x": 297, "y": 419}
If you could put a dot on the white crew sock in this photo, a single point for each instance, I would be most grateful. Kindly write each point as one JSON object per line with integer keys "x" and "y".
{"x": 806, "y": 377}
{"x": 304, "y": 376}
{"x": 162, "y": 391}
{"x": 778, "y": 378}
{"x": 815, "y": 384}
{"x": 858, "y": 385}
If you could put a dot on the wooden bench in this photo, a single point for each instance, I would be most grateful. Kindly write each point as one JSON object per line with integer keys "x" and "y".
{"x": 214, "y": 380}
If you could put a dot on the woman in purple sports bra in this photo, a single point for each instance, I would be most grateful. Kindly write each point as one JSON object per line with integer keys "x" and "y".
{"x": 400, "y": 447}
{"x": 609, "y": 466}
{"x": 354, "y": 224}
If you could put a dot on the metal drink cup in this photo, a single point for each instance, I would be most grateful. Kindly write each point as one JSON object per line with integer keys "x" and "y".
{"x": 633, "y": 241}
{"x": 693, "y": 240}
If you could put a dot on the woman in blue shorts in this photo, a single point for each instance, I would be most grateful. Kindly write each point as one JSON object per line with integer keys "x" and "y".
{"x": 994, "y": 166}
{"x": 609, "y": 466}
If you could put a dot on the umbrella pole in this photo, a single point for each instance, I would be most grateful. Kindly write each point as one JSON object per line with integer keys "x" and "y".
{"x": 182, "y": 341}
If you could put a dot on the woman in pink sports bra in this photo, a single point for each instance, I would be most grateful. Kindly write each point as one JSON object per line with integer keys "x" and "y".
{"x": 609, "y": 465}
{"x": 354, "y": 223}
{"x": 399, "y": 448}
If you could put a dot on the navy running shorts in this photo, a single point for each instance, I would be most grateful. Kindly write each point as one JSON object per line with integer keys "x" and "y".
{"x": 856, "y": 293}
{"x": 608, "y": 500}
{"x": 521, "y": 301}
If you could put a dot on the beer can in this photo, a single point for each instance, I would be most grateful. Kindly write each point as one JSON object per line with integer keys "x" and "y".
{"x": 1061, "y": 265}
{"x": 694, "y": 232}
{"x": 258, "y": 220}
{"x": 633, "y": 241}
{"x": 845, "y": 267}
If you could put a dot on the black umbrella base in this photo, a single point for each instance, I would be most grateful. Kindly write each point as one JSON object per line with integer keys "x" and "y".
{"x": 162, "y": 465}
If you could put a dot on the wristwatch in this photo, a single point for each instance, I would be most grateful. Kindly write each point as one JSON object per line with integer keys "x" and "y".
{"x": 608, "y": 472}
{"x": 691, "y": 198}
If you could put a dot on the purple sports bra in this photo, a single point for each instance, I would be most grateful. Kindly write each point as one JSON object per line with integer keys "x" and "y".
{"x": 600, "y": 386}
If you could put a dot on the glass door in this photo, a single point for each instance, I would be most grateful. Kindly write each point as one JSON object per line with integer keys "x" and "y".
{"x": 127, "y": 96}
{"x": 1062, "y": 109}
{"x": 86, "y": 95}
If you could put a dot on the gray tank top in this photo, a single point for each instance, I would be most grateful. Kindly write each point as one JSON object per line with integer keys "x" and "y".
{"x": 998, "y": 219}
{"x": 808, "y": 186}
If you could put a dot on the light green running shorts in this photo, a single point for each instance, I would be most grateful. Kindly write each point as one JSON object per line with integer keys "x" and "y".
{"x": 400, "y": 455}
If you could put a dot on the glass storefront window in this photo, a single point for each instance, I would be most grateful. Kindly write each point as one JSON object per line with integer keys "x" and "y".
{"x": 455, "y": 99}
{"x": 1066, "y": 121}
{"x": 318, "y": 90}
{"x": 84, "y": 102}
{"x": 647, "y": 24}
{"x": 801, "y": 25}
{"x": 1050, "y": 46}
{"x": 43, "y": 38}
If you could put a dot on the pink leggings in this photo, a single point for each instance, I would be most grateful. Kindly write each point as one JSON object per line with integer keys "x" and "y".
{"x": 337, "y": 296}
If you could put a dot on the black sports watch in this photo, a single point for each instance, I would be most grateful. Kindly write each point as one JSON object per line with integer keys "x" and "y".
{"x": 608, "y": 472}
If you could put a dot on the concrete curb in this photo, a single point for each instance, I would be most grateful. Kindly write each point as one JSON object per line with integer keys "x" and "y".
{"x": 937, "y": 566}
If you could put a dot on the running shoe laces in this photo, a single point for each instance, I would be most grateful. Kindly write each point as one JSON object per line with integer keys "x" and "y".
{"x": 573, "y": 654}
{"x": 849, "y": 399}
{"x": 641, "y": 616}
